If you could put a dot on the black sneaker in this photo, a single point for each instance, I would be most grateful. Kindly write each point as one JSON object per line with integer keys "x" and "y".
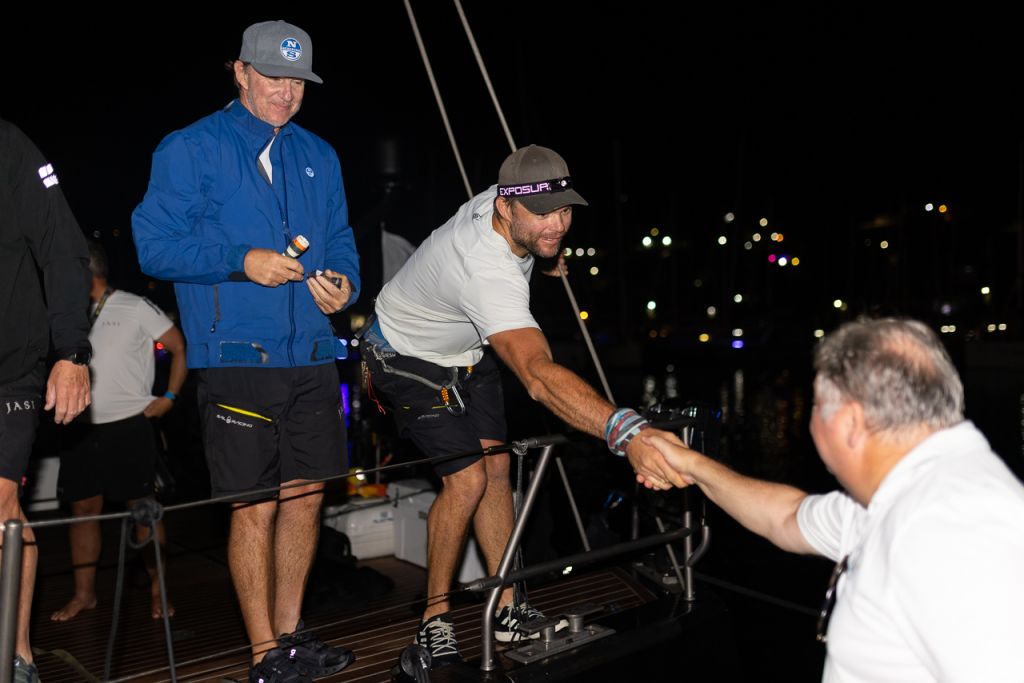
{"x": 24, "y": 672}
{"x": 312, "y": 656}
{"x": 437, "y": 634}
{"x": 277, "y": 667}
{"x": 508, "y": 620}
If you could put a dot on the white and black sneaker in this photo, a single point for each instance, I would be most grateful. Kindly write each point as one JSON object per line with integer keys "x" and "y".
{"x": 509, "y": 619}
{"x": 437, "y": 635}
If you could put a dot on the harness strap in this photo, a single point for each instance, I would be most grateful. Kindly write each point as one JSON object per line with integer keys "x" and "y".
{"x": 446, "y": 390}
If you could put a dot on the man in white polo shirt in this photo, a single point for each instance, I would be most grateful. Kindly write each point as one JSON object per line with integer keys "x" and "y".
{"x": 928, "y": 535}
{"x": 113, "y": 455}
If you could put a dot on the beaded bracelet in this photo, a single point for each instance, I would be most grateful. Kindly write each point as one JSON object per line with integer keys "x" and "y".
{"x": 621, "y": 428}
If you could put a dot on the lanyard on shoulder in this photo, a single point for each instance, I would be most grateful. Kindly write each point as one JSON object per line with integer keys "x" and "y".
{"x": 99, "y": 306}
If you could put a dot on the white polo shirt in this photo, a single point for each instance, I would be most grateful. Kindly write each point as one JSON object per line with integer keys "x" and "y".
{"x": 934, "y": 590}
{"x": 123, "y": 366}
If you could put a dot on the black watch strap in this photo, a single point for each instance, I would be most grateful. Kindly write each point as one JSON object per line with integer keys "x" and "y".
{"x": 79, "y": 357}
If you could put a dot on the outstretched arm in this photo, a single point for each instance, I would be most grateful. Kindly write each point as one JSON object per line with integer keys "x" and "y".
{"x": 766, "y": 508}
{"x": 564, "y": 393}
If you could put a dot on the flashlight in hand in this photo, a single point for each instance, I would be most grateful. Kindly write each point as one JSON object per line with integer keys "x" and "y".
{"x": 297, "y": 247}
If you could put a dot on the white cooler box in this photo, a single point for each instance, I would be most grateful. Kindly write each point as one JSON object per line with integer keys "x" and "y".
{"x": 369, "y": 524}
{"x": 412, "y": 500}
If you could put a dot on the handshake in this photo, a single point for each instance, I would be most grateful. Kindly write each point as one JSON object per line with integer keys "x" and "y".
{"x": 659, "y": 458}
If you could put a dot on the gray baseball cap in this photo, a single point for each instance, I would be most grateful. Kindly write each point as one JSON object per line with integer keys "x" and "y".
{"x": 539, "y": 178}
{"x": 279, "y": 50}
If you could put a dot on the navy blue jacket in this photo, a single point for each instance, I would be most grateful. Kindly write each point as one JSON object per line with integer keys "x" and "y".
{"x": 208, "y": 203}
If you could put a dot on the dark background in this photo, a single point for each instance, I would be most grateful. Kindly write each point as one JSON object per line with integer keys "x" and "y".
{"x": 837, "y": 125}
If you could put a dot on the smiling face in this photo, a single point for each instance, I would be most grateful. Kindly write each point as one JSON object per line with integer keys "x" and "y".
{"x": 537, "y": 234}
{"x": 271, "y": 100}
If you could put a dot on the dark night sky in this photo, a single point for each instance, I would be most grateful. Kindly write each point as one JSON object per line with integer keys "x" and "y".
{"x": 819, "y": 120}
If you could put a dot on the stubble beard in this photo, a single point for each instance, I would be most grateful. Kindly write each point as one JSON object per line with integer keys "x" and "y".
{"x": 532, "y": 246}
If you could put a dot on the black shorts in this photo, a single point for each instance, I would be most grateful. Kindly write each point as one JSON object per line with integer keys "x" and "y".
{"x": 116, "y": 460}
{"x": 266, "y": 426}
{"x": 20, "y": 402}
{"x": 420, "y": 411}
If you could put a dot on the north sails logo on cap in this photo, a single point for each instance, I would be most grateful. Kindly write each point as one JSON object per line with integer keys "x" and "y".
{"x": 291, "y": 49}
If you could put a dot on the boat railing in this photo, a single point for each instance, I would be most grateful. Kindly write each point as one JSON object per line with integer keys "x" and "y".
{"x": 148, "y": 512}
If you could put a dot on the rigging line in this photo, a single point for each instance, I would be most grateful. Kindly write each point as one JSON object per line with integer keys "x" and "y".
{"x": 483, "y": 72}
{"x": 118, "y": 589}
{"x": 586, "y": 337}
{"x": 127, "y": 529}
{"x": 512, "y": 144}
{"x": 437, "y": 96}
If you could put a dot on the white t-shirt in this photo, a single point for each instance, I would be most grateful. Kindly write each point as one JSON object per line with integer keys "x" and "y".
{"x": 462, "y": 285}
{"x": 123, "y": 366}
{"x": 934, "y": 589}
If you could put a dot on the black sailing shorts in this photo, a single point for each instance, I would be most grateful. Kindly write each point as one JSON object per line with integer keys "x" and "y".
{"x": 115, "y": 459}
{"x": 267, "y": 426}
{"x": 475, "y": 409}
{"x": 20, "y": 403}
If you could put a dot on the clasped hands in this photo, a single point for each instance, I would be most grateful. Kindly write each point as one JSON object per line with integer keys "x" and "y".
{"x": 658, "y": 458}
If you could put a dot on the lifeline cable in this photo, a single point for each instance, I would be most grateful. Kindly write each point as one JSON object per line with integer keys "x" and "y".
{"x": 237, "y": 497}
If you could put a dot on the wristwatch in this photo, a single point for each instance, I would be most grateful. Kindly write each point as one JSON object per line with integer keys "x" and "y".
{"x": 79, "y": 357}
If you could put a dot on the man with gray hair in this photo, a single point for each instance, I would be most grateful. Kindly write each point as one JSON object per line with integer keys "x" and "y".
{"x": 928, "y": 535}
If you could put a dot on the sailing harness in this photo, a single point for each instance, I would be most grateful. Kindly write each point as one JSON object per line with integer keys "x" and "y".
{"x": 448, "y": 391}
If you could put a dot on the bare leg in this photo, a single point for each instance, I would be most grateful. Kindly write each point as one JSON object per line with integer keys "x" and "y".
{"x": 494, "y": 516}
{"x": 298, "y": 527}
{"x": 252, "y": 570}
{"x": 11, "y": 509}
{"x": 86, "y": 543}
{"x": 447, "y": 524}
{"x": 141, "y": 534}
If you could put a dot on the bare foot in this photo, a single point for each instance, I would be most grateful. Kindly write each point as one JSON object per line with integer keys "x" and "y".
{"x": 74, "y": 606}
{"x": 157, "y": 608}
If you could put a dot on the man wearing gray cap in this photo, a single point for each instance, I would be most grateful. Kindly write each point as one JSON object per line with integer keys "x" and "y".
{"x": 465, "y": 288}
{"x": 229, "y": 200}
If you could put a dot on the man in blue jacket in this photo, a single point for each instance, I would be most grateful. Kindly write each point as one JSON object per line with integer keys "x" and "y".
{"x": 242, "y": 208}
